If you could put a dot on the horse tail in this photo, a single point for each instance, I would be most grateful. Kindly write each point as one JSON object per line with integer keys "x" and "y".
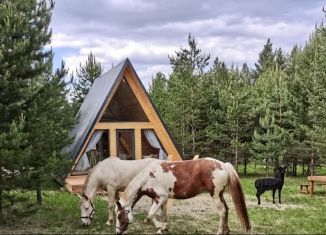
{"x": 237, "y": 196}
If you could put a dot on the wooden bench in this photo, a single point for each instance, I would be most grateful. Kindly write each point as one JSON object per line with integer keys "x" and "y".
{"x": 312, "y": 180}
{"x": 304, "y": 188}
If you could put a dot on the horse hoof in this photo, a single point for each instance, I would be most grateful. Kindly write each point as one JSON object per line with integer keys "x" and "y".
{"x": 146, "y": 221}
{"x": 109, "y": 222}
{"x": 159, "y": 231}
{"x": 164, "y": 227}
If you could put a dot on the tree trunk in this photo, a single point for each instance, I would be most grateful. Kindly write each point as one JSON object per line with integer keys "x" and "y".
{"x": 236, "y": 158}
{"x": 294, "y": 166}
{"x": 193, "y": 133}
{"x": 245, "y": 166}
{"x": 312, "y": 167}
{"x": 1, "y": 192}
{"x": 39, "y": 194}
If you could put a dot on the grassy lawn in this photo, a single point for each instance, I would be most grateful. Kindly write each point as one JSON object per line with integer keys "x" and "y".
{"x": 299, "y": 214}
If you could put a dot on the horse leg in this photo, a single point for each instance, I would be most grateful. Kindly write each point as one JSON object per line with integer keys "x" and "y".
{"x": 111, "y": 204}
{"x": 155, "y": 206}
{"x": 146, "y": 220}
{"x": 160, "y": 215}
{"x": 223, "y": 211}
{"x": 274, "y": 195}
{"x": 165, "y": 212}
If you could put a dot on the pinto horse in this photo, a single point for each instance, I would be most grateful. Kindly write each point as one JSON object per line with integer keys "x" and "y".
{"x": 113, "y": 175}
{"x": 273, "y": 184}
{"x": 161, "y": 180}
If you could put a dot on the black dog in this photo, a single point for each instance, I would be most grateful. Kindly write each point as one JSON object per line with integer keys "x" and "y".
{"x": 274, "y": 184}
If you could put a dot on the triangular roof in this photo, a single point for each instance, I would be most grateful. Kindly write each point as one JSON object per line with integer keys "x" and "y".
{"x": 96, "y": 101}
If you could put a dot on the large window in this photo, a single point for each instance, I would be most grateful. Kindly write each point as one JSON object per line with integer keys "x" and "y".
{"x": 124, "y": 106}
{"x": 151, "y": 146}
{"x": 126, "y": 144}
{"x": 96, "y": 150}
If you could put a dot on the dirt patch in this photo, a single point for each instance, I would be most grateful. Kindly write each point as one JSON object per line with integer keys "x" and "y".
{"x": 252, "y": 203}
{"x": 203, "y": 204}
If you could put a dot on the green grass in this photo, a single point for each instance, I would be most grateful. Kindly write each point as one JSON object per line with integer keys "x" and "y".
{"x": 299, "y": 214}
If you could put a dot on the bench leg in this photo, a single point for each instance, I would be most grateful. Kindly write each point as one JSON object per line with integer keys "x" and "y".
{"x": 311, "y": 188}
{"x": 304, "y": 189}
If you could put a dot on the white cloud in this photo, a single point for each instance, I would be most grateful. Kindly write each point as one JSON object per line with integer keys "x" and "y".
{"x": 146, "y": 74}
{"x": 73, "y": 61}
{"x": 149, "y": 31}
{"x": 135, "y": 5}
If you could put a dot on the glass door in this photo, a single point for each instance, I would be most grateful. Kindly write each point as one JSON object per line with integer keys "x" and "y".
{"x": 126, "y": 144}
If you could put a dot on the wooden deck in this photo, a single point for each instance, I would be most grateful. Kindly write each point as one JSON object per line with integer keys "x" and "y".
{"x": 74, "y": 184}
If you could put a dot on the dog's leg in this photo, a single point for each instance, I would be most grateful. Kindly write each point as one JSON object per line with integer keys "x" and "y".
{"x": 258, "y": 196}
{"x": 274, "y": 195}
{"x": 279, "y": 195}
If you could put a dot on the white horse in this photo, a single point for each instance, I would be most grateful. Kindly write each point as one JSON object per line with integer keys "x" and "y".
{"x": 161, "y": 180}
{"x": 113, "y": 175}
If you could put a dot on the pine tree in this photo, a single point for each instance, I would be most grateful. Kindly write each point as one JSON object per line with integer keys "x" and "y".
{"x": 270, "y": 102}
{"x": 317, "y": 97}
{"x": 213, "y": 110}
{"x": 84, "y": 78}
{"x": 188, "y": 66}
{"x": 267, "y": 143}
{"x": 158, "y": 93}
{"x": 280, "y": 59}
{"x": 238, "y": 117}
{"x": 265, "y": 60}
{"x": 298, "y": 105}
{"x": 24, "y": 65}
{"x": 312, "y": 74}
{"x": 211, "y": 115}
{"x": 246, "y": 75}
{"x": 23, "y": 58}
{"x": 14, "y": 153}
{"x": 49, "y": 119}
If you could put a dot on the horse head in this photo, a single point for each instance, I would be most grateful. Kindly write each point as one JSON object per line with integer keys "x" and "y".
{"x": 123, "y": 218}
{"x": 87, "y": 209}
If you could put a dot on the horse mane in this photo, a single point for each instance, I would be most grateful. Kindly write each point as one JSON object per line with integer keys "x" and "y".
{"x": 137, "y": 182}
{"x": 87, "y": 179}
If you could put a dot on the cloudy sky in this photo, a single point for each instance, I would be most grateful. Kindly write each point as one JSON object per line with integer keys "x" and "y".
{"x": 147, "y": 31}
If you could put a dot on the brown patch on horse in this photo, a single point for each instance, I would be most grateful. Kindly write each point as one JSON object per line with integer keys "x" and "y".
{"x": 148, "y": 192}
{"x": 192, "y": 177}
{"x": 151, "y": 174}
{"x": 123, "y": 219}
{"x": 152, "y": 194}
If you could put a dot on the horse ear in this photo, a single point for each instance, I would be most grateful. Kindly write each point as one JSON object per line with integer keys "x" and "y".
{"x": 121, "y": 196}
{"x": 80, "y": 196}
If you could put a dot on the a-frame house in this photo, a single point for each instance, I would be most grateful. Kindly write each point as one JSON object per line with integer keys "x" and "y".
{"x": 117, "y": 119}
